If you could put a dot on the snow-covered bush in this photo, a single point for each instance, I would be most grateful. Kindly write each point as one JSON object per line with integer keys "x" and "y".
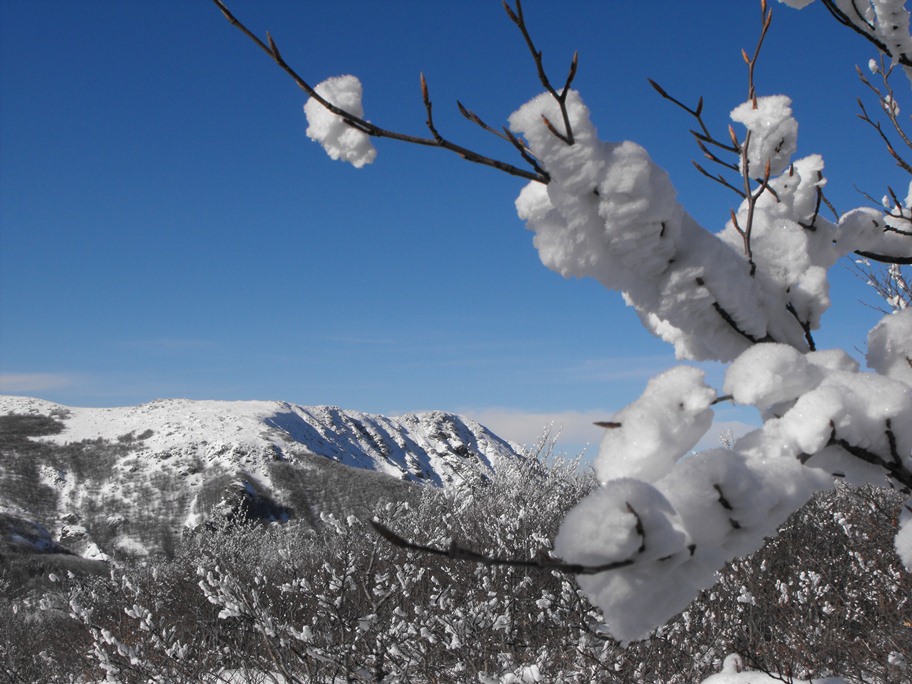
{"x": 820, "y": 599}
{"x": 664, "y": 520}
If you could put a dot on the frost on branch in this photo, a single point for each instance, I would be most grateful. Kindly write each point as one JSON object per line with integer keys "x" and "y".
{"x": 688, "y": 514}
{"x": 666, "y": 520}
{"x": 696, "y": 513}
{"x": 610, "y": 213}
{"x": 750, "y": 294}
{"x": 341, "y": 140}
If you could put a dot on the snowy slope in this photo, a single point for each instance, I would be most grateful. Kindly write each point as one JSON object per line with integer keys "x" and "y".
{"x": 114, "y": 478}
{"x": 434, "y": 446}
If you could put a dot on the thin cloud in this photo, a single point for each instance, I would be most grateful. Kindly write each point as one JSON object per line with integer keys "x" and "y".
{"x": 622, "y": 368}
{"x": 168, "y": 344}
{"x": 21, "y": 383}
{"x": 572, "y": 430}
{"x": 575, "y": 431}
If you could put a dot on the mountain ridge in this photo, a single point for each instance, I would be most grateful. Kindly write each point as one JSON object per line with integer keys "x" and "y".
{"x": 109, "y": 481}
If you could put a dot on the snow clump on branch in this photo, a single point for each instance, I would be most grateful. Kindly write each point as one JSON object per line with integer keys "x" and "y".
{"x": 340, "y": 139}
{"x": 773, "y": 131}
{"x": 611, "y": 213}
{"x": 887, "y": 21}
{"x": 664, "y": 518}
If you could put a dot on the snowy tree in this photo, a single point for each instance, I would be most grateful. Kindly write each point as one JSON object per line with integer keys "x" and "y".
{"x": 664, "y": 520}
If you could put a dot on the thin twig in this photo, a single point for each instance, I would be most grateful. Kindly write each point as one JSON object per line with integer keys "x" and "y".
{"x": 845, "y": 20}
{"x": 766, "y": 20}
{"x": 517, "y": 17}
{"x": 367, "y": 127}
{"x": 542, "y": 561}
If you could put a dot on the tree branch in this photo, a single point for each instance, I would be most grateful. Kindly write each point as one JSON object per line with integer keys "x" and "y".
{"x": 845, "y": 20}
{"x": 368, "y": 128}
{"x": 895, "y": 468}
{"x": 885, "y": 259}
{"x": 517, "y": 17}
{"x": 543, "y": 559}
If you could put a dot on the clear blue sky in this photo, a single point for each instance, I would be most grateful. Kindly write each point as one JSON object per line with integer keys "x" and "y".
{"x": 167, "y": 230}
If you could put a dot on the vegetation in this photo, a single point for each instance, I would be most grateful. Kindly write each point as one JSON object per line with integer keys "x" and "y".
{"x": 338, "y": 603}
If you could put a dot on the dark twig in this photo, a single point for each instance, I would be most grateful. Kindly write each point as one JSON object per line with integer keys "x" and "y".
{"x": 887, "y": 99}
{"x": 766, "y": 20}
{"x": 805, "y": 326}
{"x": 866, "y": 32}
{"x": 543, "y": 559}
{"x": 516, "y": 16}
{"x": 864, "y": 116}
{"x": 885, "y": 258}
{"x": 507, "y": 135}
{"x": 726, "y": 504}
{"x": 703, "y": 138}
{"x": 368, "y": 128}
{"x": 728, "y": 318}
{"x": 719, "y": 179}
{"x": 895, "y": 467}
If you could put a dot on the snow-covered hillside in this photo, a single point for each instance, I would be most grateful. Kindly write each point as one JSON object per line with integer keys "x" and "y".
{"x": 433, "y": 446}
{"x": 115, "y": 477}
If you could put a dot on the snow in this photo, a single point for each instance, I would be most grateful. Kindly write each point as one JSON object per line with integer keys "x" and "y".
{"x": 904, "y": 536}
{"x": 610, "y": 213}
{"x": 885, "y": 20}
{"x": 658, "y": 428}
{"x": 733, "y": 672}
{"x": 772, "y": 131}
{"x": 340, "y": 139}
{"x": 768, "y": 374}
{"x": 414, "y": 446}
{"x": 890, "y": 346}
{"x": 688, "y": 514}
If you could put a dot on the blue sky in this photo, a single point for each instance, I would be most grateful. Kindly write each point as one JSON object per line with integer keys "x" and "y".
{"x": 167, "y": 229}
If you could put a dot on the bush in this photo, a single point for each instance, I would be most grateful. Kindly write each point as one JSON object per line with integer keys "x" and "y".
{"x": 338, "y": 603}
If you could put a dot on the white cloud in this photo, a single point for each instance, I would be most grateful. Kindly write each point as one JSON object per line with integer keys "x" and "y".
{"x": 573, "y": 430}
{"x": 21, "y": 383}
{"x": 576, "y": 431}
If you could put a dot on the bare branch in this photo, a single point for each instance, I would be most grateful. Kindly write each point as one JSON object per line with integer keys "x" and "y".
{"x": 887, "y": 102}
{"x": 507, "y": 135}
{"x": 543, "y": 559}
{"x": 805, "y": 326}
{"x": 718, "y": 179}
{"x": 885, "y": 258}
{"x": 370, "y": 129}
{"x": 766, "y": 21}
{"x": 865, "y": 29}
{"x": 864, "y": 116}
{"x": 517, "y": 17}
{"x": 697, "y": 113}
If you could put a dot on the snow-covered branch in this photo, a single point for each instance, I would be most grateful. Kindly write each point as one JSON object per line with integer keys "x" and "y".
{"x": 664, "y": 519}
{"x": 335, "y": 105}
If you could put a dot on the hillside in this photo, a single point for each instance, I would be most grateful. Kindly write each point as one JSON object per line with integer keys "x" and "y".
{"x": 125, "y": 481}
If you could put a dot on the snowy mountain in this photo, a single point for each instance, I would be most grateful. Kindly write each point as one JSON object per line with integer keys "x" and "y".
{"x": 125, "y": 481}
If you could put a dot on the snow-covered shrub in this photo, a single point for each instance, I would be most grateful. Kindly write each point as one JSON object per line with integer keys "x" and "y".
{"x": 342, "y": 603}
